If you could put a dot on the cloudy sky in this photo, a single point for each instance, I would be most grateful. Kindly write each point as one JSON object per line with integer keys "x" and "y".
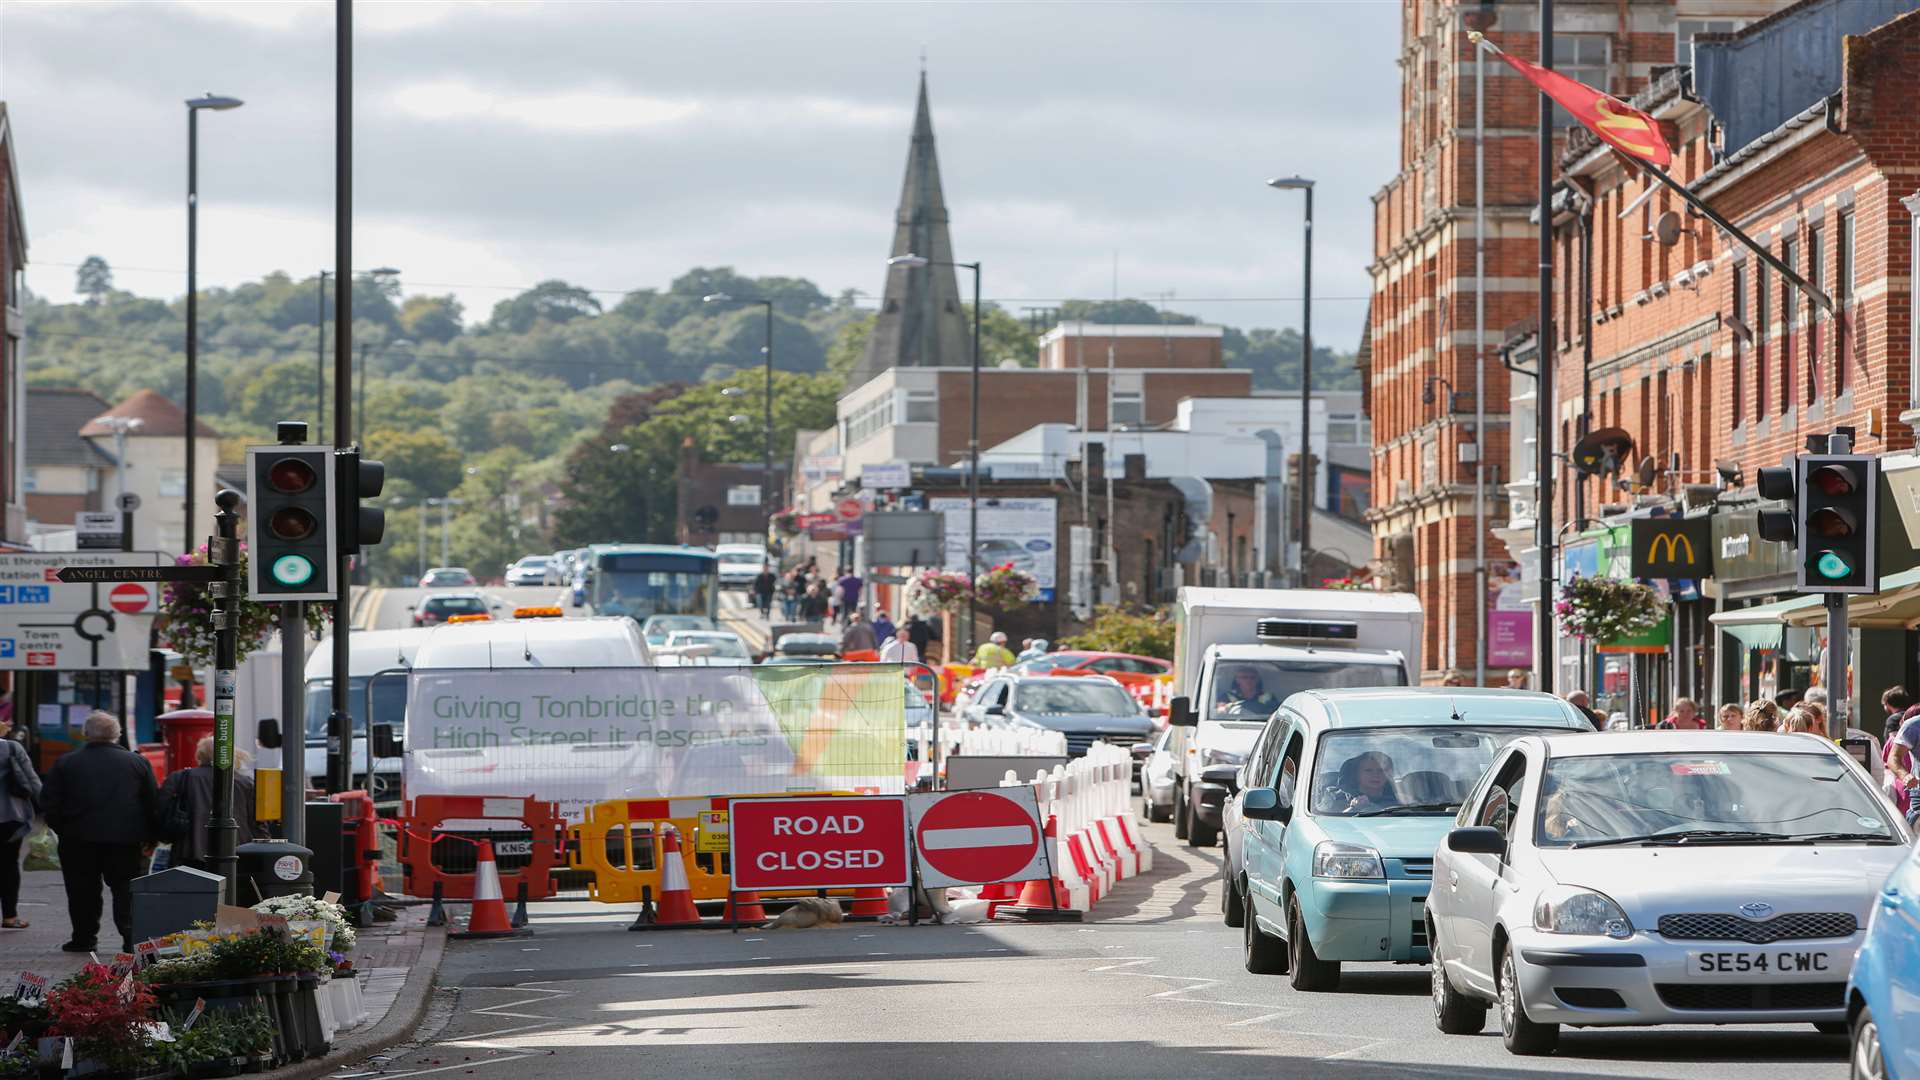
{"x": 615, "y": 144}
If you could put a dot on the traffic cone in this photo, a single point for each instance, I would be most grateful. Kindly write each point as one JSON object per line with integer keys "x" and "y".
{"x": 743, "y": 908}
{"x": 488, "y": 918}
{"x": 868, "y": 905}
{"x": 676, "y": 895}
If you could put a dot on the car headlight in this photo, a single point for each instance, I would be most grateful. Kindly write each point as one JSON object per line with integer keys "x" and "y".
{"x": 1223, "y": 757}
{"x": 1334, "y": 859}
{"x": 1571, "y": 910}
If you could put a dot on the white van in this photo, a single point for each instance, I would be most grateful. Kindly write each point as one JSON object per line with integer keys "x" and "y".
{"x": 370, "y": 653}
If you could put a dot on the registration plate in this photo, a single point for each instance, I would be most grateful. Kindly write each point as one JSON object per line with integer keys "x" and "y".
{"x": 1776, "y": 965}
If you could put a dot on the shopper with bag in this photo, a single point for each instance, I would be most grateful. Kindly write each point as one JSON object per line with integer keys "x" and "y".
{"x": 19, "y": 802}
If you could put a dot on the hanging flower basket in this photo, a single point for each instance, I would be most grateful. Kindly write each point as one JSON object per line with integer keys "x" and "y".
{"x": 186, "y": 616}
{"x": 1608, "y": 609}
{"x": 931, "y": 592}
{"x": 1003, "y": 587}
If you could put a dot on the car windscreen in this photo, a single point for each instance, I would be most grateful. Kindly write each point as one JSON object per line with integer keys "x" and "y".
{"x": 1745, "y": 796}
{"x": 457, "y": 605}
{"x": 1041, "y": 665}
{"x": 1412, "y": 770}
{"x": 722, "y": 645}
{"x": 389, "y": 704}
{"x": 1072, "y": 698}
{"x": 1252, "y": 689}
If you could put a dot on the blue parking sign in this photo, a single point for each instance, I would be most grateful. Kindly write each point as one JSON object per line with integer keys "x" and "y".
{"x": 6, "y": 648}
{"x": 36, "y": 594}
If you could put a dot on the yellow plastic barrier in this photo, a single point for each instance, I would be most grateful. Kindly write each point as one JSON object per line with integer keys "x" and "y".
{"x": 619, "y": 842}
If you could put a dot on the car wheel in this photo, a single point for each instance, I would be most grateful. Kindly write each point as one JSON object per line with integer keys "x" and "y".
{"x": 1309, "y": 972}
{"x": 1454, "y": 1013}
{"x": 1179, "y": 814}
{"x": 1159, "y": 813}
{"x": 1263, "y": 953}
{"x": 1867, "y": 1062}
{"x": 1231, "y": 904}
{"x": 1201, "y": 835}
{"x": 1522, "y": 1036}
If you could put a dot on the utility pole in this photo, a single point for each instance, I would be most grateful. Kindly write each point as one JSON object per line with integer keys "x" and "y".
{"x": 224, "y": 552}
{"x": 1543, "y": 403}
{"x": 340, "y": 718}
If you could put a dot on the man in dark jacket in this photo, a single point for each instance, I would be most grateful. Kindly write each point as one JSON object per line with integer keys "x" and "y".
{"x": 102, "y": 801}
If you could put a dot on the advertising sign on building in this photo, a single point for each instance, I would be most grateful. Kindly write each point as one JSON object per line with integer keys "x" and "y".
{"x": 1509, "y": 618}
{"x": 886, "y": 475}
{"x": 96, "y": 531}
{"x": 1018, "y": 532}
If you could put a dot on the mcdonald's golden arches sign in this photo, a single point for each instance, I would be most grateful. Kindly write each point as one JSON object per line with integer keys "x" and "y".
{"x": 1672, "y": 547}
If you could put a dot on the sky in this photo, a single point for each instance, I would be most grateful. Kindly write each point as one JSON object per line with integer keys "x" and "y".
{"x": 616, "y": 144}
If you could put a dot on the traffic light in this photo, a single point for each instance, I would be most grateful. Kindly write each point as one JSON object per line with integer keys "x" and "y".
{"x": 360, "y": 526}
{"x": 1779, "y": 483}
{"x": 290, "y": 541}
{"x": 1837, "y": 523}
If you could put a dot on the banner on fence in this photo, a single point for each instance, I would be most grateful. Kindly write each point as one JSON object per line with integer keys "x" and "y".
{"x": 585, "y": 735}
{"x": 832, "y": 842}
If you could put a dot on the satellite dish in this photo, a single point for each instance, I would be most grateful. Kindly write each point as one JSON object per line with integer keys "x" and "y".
{"x": 1646, "y": 472}
{"x": 1601, "y": 452}
{"x": 1667, "y": 229}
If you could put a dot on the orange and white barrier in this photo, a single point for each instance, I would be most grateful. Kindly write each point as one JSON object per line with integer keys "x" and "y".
{"x": 1092, "y": 842}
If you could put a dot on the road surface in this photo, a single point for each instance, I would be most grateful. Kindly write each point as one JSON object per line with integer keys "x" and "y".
{"x": 382, "y": 608}
{"x": 1151, "y": 987}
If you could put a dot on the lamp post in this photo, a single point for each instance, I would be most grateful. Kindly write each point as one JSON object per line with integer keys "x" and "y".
{"x": 916, "y": 262}
{"x": 194, "y": 105}
{"x": 766, "y": 452}
{"x": 320, "y": 355}
{"x": 1302, "y": 184}
{"x": 360, "y": 409}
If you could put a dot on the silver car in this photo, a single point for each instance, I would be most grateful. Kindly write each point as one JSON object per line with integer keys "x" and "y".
{"x": 1156, "y": 780}
{"x": 1657, "y": 877}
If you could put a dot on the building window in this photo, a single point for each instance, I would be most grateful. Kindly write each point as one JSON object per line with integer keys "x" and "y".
{"x": 1760, "y": 330}
{"x": 173, "y": 483}
{"x": 1343, "y": 428}
{"x": 1582, "y": 58}
{"x": 93, "y": 480}
{"x": 923, "y": 407}
{"x": 1789, "y": 255}
{"x": 1843, "y": 280}
{"x": 1739, "y": 344}
{"x": 1128, "y": 409}
{"x": 32, "y": 480}
{"x": 1687, "y": 28}
{"x": 869, "y": 420}
{"x": 1817, "y": 277}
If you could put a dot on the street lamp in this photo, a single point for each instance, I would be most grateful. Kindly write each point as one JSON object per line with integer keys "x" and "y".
{"x": 910, "y": 261}
{"x": 1302, "y": 184}
{"x": 360, "y": 410}
{"x": 194, "y": 105}
{"x": 766, "y": 450}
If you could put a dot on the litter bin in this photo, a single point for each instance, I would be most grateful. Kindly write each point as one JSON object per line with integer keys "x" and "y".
{"x": 173, "y": 900}
{"x": 270, "y": 868}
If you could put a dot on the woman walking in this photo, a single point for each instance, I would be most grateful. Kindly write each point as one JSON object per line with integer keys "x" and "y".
{"x": 19, "y": 799}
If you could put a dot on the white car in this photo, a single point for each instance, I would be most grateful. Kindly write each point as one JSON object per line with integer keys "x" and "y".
{"x": 1156, "y": 780}
{"x": 703, "y": 648}
{"x": 740, "y": 564}
{"x": 1657, "y": 877}
{"x": 530, "y": 570}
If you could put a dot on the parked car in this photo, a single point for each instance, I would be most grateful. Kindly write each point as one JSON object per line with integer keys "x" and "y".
{"x": 1156, "y": 780}
{"x": 1087, "y": 709}
{"x": 1342, "y": 800}
{"x": 1658, "y": 877}
{"x": 1883, "y": 991}
{"x": 802, "y": 644}
{"x": 656, "y": 627}
{"x": 448, "y": 577}
{"x": 530, "y": 570}
{"x": 704, "y": 648}
{"x": 440, "y": 607}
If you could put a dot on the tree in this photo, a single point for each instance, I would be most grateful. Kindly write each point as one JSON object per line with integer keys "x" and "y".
{"x": 1004, "y": 339}
{"x": 94, "y": 279}
{"x": 552, "y": 301}
{"x": 487, "y": 533}
{"x": 283, "y": 391}
{"x": 420, "y": 462}
{"x": 431, "y": 318}
{"x": 847, "y": 349}
{"x": 1115, "y": 629}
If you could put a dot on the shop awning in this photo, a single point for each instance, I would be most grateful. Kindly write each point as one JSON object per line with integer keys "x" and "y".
{"x": 1895, "y": 607}
{"x": 1760, "y": 626}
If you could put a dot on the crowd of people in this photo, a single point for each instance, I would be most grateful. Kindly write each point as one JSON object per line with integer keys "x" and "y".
{"x": 808, "y": 595}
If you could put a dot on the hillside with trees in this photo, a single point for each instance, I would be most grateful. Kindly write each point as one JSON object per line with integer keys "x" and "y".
{"x": 512, "y": 416}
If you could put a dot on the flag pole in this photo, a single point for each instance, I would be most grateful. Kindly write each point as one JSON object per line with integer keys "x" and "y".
{"x": 1692, "y": 200}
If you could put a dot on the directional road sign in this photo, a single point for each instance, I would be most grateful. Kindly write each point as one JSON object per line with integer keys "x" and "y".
{"x": 83, "y": 574}
{"x": 978, "y": 837}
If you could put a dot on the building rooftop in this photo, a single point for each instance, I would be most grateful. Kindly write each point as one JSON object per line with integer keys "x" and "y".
{"x": 159, "y": 418}
{"x": 54, "y": 418}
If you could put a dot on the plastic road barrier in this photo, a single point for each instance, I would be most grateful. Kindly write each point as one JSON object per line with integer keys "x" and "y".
{"x": 527, "y": 834}
{"x": 619, "y": 843}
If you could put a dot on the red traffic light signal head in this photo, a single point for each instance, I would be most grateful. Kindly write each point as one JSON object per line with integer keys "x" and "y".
{"x": 291, "y": 476}
{"x": 291, "y": 523}
{"x": 1832, "y": 523}
{"x": 1834, "y": 481}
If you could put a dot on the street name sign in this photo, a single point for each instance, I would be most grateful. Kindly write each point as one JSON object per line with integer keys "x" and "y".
{"x": 826, "y": 842}
{"x": 199, "y": 575}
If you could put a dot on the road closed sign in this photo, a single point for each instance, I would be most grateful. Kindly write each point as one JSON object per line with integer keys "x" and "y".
{"x": 978, "y": 837}
{"x": 829, "y": 842}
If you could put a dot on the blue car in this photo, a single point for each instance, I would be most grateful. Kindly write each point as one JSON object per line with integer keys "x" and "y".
{"x": 1348, "y": 794}
{"x": 1883, "y": 994}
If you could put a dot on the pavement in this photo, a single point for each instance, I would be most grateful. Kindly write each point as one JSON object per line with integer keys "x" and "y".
{"x": 1151, "y": 985}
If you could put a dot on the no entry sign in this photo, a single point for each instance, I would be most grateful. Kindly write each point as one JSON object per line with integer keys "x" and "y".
{"x": 978, "y": 837}
{"x": 828, "y": 842}
{"x": 130, "y": 598}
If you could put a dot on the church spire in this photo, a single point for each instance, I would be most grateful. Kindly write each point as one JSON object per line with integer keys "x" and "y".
{"x": 921, "y": 322}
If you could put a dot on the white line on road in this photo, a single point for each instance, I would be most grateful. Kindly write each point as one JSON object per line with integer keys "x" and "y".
{"x": 1262, "y": 1018}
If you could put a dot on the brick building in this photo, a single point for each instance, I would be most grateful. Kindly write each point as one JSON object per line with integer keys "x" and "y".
{"x": 1422, "y": 360}
{"x": 13, "y": 284}
{"x": 720, "y": 502}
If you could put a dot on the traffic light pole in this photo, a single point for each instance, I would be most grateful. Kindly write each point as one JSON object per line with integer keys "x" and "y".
{"x": 293, "y": 728}
{"x": 339, "y": 719}
{"x": 1838, "y": 637}
{"x": 224, "y": 552}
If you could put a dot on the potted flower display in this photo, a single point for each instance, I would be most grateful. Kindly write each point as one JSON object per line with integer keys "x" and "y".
{"x": 1005, "y": 587}
{"x": 1604, "y": 609}
{"x": 106, "y": 1015}
{"x": 932, "y": 591}
{"x": 186, "y": 616}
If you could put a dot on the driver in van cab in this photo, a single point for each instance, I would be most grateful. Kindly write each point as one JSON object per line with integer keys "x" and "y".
{"x": 1246, "y": 695}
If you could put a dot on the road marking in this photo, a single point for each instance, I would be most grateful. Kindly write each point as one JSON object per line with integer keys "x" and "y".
{"x": 1262, "y": 1018}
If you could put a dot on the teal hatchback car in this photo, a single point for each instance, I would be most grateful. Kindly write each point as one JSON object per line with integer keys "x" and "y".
{"x": 1344, "y": 800}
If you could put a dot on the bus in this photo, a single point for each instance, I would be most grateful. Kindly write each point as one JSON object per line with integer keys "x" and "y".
{"x": 639, "y": 580}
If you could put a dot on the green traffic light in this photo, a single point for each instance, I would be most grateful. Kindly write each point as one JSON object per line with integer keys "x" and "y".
{"x": 292, "y": 570}
{"x": 1832, "y": 565}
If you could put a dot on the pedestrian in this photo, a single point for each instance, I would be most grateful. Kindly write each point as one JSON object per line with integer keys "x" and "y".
{"x": 1685, "y": 716}
{"x": 813, "y": 607}
{"x": 1894, "y": 704}
{"x": 857, "y": 637}
{"x": 993, "y": 652}
{"x": 19, "y": 801}
{"x": 1762, "y": 715}
{"x": 1517, "y": 678}
{"x": 792, "y": 588}
{"x": 1034, "y": 649}
{"x": 883, "y": 628}
{"x": 1803, "y": 720}
{"x": 920, "y": 632}
{"x": 1787, "y": 699}
{"x": 1731, "y": 716}
{"x": 1454, "y": 678}
{"x": 848, "y": 588}
{"x": 103, "y": 803}
{"x": 1618, "y": 722}
{"x": 900, "y": 648}
{"x": 1578, "y": 699}
{"x": 763, "y": 585}
{"x": 186, "y": 810}
{"x": 1902, "y": 781}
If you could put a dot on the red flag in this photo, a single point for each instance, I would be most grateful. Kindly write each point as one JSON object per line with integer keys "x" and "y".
{"x": 1617, "y": 123}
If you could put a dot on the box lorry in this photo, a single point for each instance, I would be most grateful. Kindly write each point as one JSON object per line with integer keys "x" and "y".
{"x": 1239, "y": 653}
